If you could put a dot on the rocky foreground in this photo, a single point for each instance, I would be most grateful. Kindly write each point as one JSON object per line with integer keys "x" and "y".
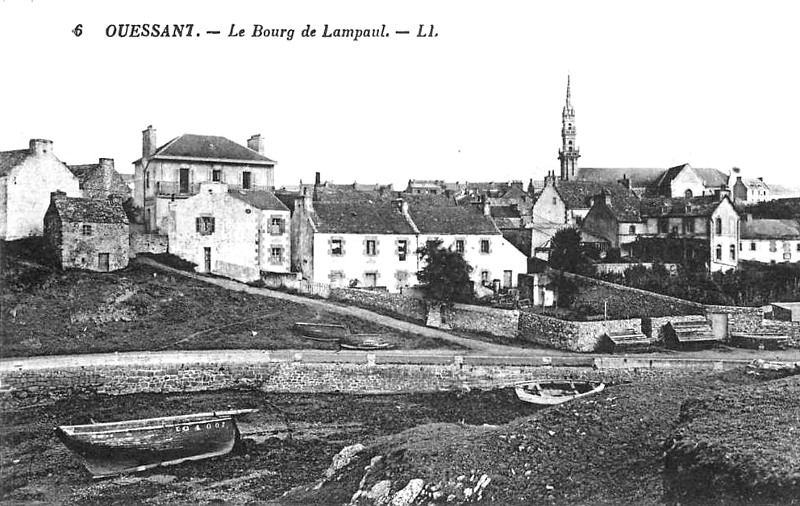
{"x": 608, "y": 449}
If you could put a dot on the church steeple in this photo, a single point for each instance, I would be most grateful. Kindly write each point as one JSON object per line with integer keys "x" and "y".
{"x": 569, "y": 153}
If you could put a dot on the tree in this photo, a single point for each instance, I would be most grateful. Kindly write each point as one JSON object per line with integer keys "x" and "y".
{"x": 565, "y": 250}
{"x": 445, "y": 276}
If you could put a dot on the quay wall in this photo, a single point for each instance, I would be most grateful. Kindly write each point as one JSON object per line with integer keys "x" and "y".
{"x": 43, "y": 380}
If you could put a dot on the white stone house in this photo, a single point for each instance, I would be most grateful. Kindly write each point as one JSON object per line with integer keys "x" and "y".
{"x": 27, "y": 178}
{"x": 770, "y": 241}
{"x": 234, "y": 233}
{"x": 175, "y": 171}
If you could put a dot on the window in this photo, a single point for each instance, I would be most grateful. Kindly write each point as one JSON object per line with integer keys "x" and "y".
{"x": 719, "y": 225}
{"x": 276, "y": 225}
{"x": 733, "y": 252}
{"x": 402, "y": 250}
{"x": 719, "y": 252}
{"x": 147, "y": 179}
{"x": 276, "y": 255}
{"x": 247, "y": 182}
{"x": 371, "y": 279}
{"x": 337, "y": 248}
{"x": 205, "y": 225}
{"x": 372, "y": 248}
{"x": 663, "y": 225}
{"x": 688, "y": 225}
{"x": 753, "y": 246}
{"x": 484, "y": 245}
{"x": 675, "y": 229}
{"x": 773, "y": 247}
{"x": 86, "y": 230}
{"x": 632, "y": 230}
{"x": 460, "y": 246}
{"x": 741, "y": 246}
{"x": 184, "y": 181}
{"x": 555, "y": 201}
{"x": 687, "y": 194}
{"x": 787, "y": 246}
{"x": 484, "y": 277}
{"x": 216, "y": 175}
{"x": 798, "y": 246}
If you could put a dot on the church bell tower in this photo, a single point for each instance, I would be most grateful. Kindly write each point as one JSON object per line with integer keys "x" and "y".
{"x": 569, "y": 153}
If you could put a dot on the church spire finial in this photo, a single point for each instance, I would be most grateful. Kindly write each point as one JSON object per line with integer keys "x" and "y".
{"x": 568, "y": 92}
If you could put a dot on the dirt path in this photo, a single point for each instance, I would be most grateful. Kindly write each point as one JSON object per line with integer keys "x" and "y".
{"x": 478, "y": 346}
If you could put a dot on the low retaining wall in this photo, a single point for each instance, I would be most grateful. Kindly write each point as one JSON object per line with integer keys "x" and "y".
{"x": 391, "y": 303}
{"x": 48, "y": 379}
{"x": 483, "y": 320}
{"x": 582, "y": 337}
{"x": 148, "y": 243}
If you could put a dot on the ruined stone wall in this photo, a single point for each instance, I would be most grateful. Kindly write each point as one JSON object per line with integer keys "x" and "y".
{"x": 148, "y": 243}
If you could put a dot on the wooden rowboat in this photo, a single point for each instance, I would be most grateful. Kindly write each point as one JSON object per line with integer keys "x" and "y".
{"x": 552, "y": 392}
{"x": 107, "y": 449}
{"x": 365, "y": 342}
{"x": 323, "y": 332}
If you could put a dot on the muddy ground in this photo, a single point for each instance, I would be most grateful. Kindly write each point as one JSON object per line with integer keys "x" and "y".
{"x": 290, "y": 441}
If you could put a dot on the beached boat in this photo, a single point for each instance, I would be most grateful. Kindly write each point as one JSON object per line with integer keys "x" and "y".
{"x": 107, "y": 449}
{"x": 551, "y": 392}
{"x": 324, "y": 332}
{"x": 365, "y": 342}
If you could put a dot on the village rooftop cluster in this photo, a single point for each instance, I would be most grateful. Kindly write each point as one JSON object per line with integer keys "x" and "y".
{"x": 213, "y": 202}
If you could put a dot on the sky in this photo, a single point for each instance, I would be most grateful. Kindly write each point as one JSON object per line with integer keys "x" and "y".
{"x": 654, "y": 84}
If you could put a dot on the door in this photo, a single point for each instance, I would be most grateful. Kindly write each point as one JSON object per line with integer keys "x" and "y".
{"x": 184, "y": 181}
{"x": 102, "y": 262}
{"x": 506, "y": 279}
{"x": 207, "y": 259}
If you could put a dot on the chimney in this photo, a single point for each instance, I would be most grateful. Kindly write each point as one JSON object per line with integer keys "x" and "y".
{"x": 485, "y": 206}
{"x": 149, "y": 143}
{"x": 57, "y": 195}
{"x": 317, "y": 179}
{"x": 625, "y": 181}
{"x": 738, "y": 179}
{"x": 760, "y": 179}
{"x": 115, "y": 199}
{"x": 40, "y": 146}
{"x": 256, "y": 143}
{"x": 516, "y": 184}
{"x": 106, "y": 169}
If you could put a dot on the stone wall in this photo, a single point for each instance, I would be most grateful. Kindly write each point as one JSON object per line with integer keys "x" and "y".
{"x": 383, "y": 302}
{"x": 483, "y": 320}
{"x": 148, "y": 243}
{"x": 582, "y": 337}
{"x": 25, "y": 382}
{"x": 626, "y": 302}
{"x": 622, "y": 268}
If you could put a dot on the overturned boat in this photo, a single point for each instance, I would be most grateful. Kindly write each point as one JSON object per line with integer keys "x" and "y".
{"x": 552, "y": 392}
{"x": 323, "y": 332}
{"x": 364, "y": 342}
{"x": 107, "y": 449}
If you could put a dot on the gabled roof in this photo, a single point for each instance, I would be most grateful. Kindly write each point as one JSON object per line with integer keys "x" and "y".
{"x": 10, "y": 159}
{"x": 712, "y": 178}
{"x": 639, "y": 177}
{"x": 770, "y": 229}
{"x": 74, "y": 210}
{"x": 382, "y": 217}
{"x": 755, "y": 183}
{"x": 348, "y": 193}
{"x": 209, "y": 147}
{"x": 451, "y": 220}
{"x": 259, "y": 199}
{"x": 677, "y": 207}
{"x": 578, "y": 194}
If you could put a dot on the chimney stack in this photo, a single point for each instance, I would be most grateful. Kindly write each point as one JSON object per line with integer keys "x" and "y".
{"x": 115, "y": 199}
{"x": 106, "y": 168}
{"x": 57, "y": 195}
{"x": 40, "y": 146}
{"x": 149, "y": 143}
{"x": 256, "y": 143}
{"x": 317, "y": 180}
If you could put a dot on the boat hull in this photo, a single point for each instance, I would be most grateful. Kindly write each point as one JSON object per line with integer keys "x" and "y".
{"x": 321, "y": 332}
{"x": 111, "y": 449}
{"x": 551, "y": 393}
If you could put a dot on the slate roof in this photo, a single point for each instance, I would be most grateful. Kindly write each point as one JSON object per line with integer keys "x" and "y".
{"x": 10, "y": 159}
{"x": 639, "y": 177}
{"x": 520, "y": 239}
{"x": 664, "y": 207}
{"x": 712, "y": 178}
{"x": 210, "y": 147}
{"x": 259, "y": 199}
{"x": 578, "y": 194}
{"x": 360, "y": 218}
{"x": 755, "y": 183}
{"x": 504, "y": 211}
{"x": 347, "y": 193}
{"x": 90, "y": 177}
{"x": 75, "y": 210}
{"x": 770, "y": 229}
{"x": 451, "y": 220}
{"x": 625, "y": 208}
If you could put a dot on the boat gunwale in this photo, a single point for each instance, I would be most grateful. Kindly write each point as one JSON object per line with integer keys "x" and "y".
{"x": 151, "y": 423}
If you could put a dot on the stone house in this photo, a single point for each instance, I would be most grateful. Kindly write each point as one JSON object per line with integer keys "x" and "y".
{"x": 91, "y": 234}
{"x": 234, "y": 233}
{"x": 750, "y": 191}
{"x": 99, "y": 180}
{"x": 27, "y": 178}
{"x": 686, "y": 181}
{"x": 712, "y": 221}
{"x": 175, "y": 171}
{"x": 617, "y": 219}
{"x": 769, "y": 241}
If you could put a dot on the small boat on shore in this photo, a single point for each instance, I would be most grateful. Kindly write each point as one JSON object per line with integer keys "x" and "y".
{"x": 108, "y": 449}
{"x": 322, "y": 332}
{"x": 552, "y": 392}
{"x": 364, "y": 342}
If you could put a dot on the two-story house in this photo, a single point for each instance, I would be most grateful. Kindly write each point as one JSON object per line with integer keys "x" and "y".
{"x": 711, "y": 221}
{"x": 769, "y": 240}
{"x": 235, "y": 233}
{"x": 27, "y": 178}
{"x": 616, "y": 217}
{"x": 175, "y": 171}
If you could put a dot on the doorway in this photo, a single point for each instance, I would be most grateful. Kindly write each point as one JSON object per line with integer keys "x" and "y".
{"x": 103, "y": 262}
{"x": 207, "y": 259}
